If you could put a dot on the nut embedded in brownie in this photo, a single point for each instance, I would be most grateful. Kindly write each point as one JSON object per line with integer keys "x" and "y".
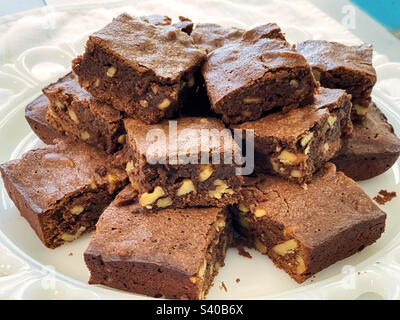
{"x": 172, "y": 253}
{"x": 305, "y": 231}
{"x": 145, "y": 70}
{"x": 62, "y": 189}
{"x": 186, "y": 168}
{"x": 296, "y": 144}
{"x": 247, "y": 78}
{"x": 336, "y": 65}
{"x": 74, "y": 112}
{"x": 35, "y": 115}
{"x": 371, "y": 150}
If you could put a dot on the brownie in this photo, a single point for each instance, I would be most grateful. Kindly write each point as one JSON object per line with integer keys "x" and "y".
{"x": 35, "y": 114}
{"x": 186, "y": 170}
{"x": 62, "y": 189}
{"x": 305, "y": 230}
{"x": 74, "y": 112}
{"x": 212, "y": 36}
{"x": 336, "y": 65}
{"x": 297, "y": 143}
{"x": 247, "y": 78}
{"x": 184, "y": 24}
{"x": 170, "y": 253}
{"x": 372, "y": 148}
{"x": 145, "y": 70}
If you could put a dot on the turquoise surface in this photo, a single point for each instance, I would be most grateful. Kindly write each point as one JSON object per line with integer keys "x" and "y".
{"x": 387, "y": 12}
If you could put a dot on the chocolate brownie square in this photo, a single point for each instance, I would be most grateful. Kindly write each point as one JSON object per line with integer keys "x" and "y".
{"x": 74, "y": 112}
{"x": 371, "y": 150}
{"x": 247, "y": 78}
{"x": 336, "y": 65}
{"x": 62, "y": 189}
{"x": 35, "y": 114}
{"x": 145, "y": 70}
{"x": 303, "y": 230}
{"x": 170, "y": 253}
{"x": 296, "y": 144}
{"x": 176, "y": 164}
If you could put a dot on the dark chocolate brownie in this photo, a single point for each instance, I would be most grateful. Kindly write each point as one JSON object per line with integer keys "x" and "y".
{"x": 62, "y": 189}
{"x": 170, "y": 253}
{"x": 306, "y": 230}
{"x": 74, "y": 112}
{"x": 35, "y": 114}
{"x": 173, "y": 173}
{"x": 296, "y": 144}
{"x": 142, "y": 69}
{"x": 247, "y": 78}
{"x": 372, "y": 148}
{"x": 336, "y": 65}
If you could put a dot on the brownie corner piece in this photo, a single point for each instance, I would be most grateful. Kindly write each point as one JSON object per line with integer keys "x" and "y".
{"x": 372, "y": 148}
{"x": 189, "y": 172}
{"x": 62, "y": 189}
{"x": 176, "y": 253}
{"x": 341, "y": 221}
{"x": 336, "y": 65}
{"x": 35, "y": 115}
{"x": 295, "y": 144}
{"x": 74, "y": 112}
{"x": 145, "y": 70}
{"x": 247, "y": 78}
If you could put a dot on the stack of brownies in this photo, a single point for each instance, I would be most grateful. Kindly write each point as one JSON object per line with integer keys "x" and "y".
{"x": 141, "y": 149}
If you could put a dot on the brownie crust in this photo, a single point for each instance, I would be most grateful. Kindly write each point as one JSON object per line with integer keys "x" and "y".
{"x": 371, "y": 150}
{"x": 170, "y": 253}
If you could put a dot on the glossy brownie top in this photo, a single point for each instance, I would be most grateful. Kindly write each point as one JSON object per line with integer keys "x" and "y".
{"x": 330, "y": 204}
{"x": 165, "y": 51}
{"x": 45, "y": 176}
{"x": 290, "y": 125}
{"x": 69, "y": 87}
{"x": 327, "y": 55}
{"x": 189, "y": 137}
{"x": 172, "y": 238}
{"x": 241, "y": 63}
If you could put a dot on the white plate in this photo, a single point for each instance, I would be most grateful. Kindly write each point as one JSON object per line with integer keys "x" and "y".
{"x": 29, "y": 270}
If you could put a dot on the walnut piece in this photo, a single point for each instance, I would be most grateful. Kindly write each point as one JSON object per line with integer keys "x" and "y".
{"x": 260, "y": 246}
{"x": 287, "y": 157}
{"x": 164, "y": 104}
{"x": 205, "y": 172}
{"x": 306, "y": 139}
{"x": 85, "y": 135}
{"x": 148, "y": 198}
{"x": 186, "y": 187}
{"x": 144, "y": 103}
{"x": 122, "y": 139}
{"x": 242, "y": 207}
{"x": 301, "y": 267}
{"x": 332, "y": 120}
{"x": 77, "y": 210}
{"x": 71, "y": 237}
{"x": 316, "y": 74}
{"x": 73, "y": 116}
{"x": 286, "y": 247}
{"x": 360, "y": 110}
{"x": 221, "y": 189}
{"x": 258, "y": 213}
{"x": 164, "y": 202}
{"x": 111, "y": 71}
{"x": 249, "y": 100}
